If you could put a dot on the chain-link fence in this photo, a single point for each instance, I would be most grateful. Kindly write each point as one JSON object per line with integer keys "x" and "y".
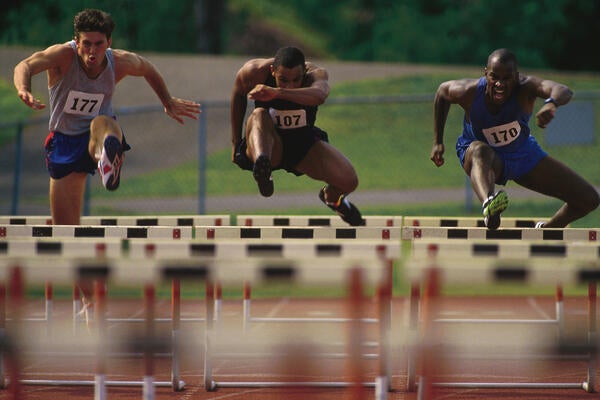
{"x": 186, "y": 169}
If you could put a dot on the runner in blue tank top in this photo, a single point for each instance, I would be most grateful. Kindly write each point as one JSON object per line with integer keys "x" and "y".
{"x": 280, "y": 133}
{"x": 496, "y": 144}
{"x": 84, "y": 134}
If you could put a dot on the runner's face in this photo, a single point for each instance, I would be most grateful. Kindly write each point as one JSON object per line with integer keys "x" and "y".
{"x": 91, "y": 49}
{"x": 288, "y": 78}
{"x": 501, "y": 80}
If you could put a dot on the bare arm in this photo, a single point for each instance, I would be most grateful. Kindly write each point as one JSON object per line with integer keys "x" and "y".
{"x": 238, "y": 105}
{"x": 128, "y": 63}
{"x": 314, "y": 94}
{"x": 247, "y": 78}
{"x": 546, "y": 89}
{"x": 448, "y": 93}
{"x": 55, "y": 59}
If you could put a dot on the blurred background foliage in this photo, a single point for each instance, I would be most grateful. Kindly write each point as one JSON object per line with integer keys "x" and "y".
{"x": 552, "y": 34}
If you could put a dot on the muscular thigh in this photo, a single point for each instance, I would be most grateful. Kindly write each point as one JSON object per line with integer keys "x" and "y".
{"x": 324, "y": 162}
{"x": 553, "y": 178}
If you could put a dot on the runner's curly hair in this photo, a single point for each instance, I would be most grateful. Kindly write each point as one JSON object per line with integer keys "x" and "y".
{"x": 92, "y": 20}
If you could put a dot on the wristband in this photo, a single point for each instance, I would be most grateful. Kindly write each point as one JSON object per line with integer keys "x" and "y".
{"x": 550, "y": 100}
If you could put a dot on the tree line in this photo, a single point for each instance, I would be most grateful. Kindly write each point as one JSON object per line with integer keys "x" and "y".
{"x": 557, "y": 34}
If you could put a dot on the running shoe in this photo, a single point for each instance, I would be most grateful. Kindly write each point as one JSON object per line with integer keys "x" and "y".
{"x": 110, "y": 162}
{"x": 540, "y": 225}
{"x": 346, "y": 210}
{"x": 493, "y": 207}
{"x": 262, "y": 175}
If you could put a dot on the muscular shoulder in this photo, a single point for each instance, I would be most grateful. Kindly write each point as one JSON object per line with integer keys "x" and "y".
{"x": 459, "y": 91}
{"x": 128, "y": 63}
{"x": 315, "y": 73}
{"x": 55, "y": 59}
{"x": 252, "y": 73}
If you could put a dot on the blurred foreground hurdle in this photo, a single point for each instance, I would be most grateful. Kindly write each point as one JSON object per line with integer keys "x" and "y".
{"x": 356, "y": 273}
{"x": 472, "y": 233}
{"x": 506, "y": 338}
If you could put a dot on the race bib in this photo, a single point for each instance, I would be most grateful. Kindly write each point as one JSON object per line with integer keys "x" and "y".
{"x": 501, "y": 135}
{"x": 82, "y": 103}
{"x": 288, "y": 119}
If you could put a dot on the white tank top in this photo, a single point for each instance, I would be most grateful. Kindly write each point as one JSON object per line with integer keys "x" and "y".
{"x": 76, "y": 99}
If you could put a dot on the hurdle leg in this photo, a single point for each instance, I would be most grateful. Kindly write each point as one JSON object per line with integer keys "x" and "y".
{"x": 176, "y": 383}
{"x": 17, "y": 295}
{"x": 218, "y": 305}
{"x": 246, "y": 307}
{"x": 356, "y": 313}
{"x": 413, "y": 324}
{"x": 49, "y": 295}
{"x": 148, "y": 390}
{"x": 560, "y": 314}
{"x": 76, "y": 308}
{"x": 383, "y": 380}
{"x": 589, "y": 384}
{"x": 209, "y": 384}
{"x": 100, "y": 321}
{"x": 428, "y": 357}
{"x": 3, "y": 381}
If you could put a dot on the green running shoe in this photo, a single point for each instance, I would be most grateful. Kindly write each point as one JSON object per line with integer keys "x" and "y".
{"x": 493, "y": 207}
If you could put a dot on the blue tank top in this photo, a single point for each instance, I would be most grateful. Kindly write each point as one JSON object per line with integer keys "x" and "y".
{"x": 76, "y": 99}
{"x": 287, "y": 115}
{"x": 506, "y": 131}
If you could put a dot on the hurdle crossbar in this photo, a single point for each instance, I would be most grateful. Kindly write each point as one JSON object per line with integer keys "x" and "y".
{"x": 564, "y": 234}
{"x": 276, "y": 232}
{"x": 314, "y": 220}
{"x": 107, "y": 220}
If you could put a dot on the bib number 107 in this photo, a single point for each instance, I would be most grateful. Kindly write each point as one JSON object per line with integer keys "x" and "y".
{"x": 288, "y": 119}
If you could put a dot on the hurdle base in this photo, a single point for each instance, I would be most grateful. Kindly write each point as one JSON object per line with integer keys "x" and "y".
{"x": 52, "y": 382}
{"x": 511, "y": 385}
{"x": 267, "y": 384}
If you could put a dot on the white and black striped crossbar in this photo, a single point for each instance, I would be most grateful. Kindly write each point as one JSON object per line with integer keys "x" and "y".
{"x": 96, "y": 231}
{"x": 63, "y": 247}
{"x": 314, "y": 220}
{"x": 150, "y": 248}
{"x": 276, "y": 232}
{"x": 467, "y": 222}
{"x": 148, "y": 220}
{"x": 307, "y": 271}
{"x": 533, "y": 271}
{"x": 567, "y": 234}
{"x": 443, "y": 248}
{"x": 223, "y": 249}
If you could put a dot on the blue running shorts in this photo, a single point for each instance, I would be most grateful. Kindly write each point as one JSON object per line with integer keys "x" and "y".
{"x": 67, "y": 153}
{"x": 516, "y": 163}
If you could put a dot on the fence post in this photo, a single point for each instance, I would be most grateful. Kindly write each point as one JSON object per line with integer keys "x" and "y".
{"x": 18, "y": 167}
{"x": 202, "y": 160}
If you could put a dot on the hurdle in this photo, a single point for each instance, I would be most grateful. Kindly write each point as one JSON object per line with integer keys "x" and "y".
{"x": 564, "y": 234}
{"x": 68, "y": 270}
{"x": 309, "y": 272}
{"x": 539, "y": 271}
{"x": 314, "y": 220}
{"x": 466, "y": 222}
{"x": 300, "y": 272}
{"x": 107, "y": 220}
{"x": 275, "y": 232}
{"x": 446, "y": 248}
{"x": 96, "y": 231}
